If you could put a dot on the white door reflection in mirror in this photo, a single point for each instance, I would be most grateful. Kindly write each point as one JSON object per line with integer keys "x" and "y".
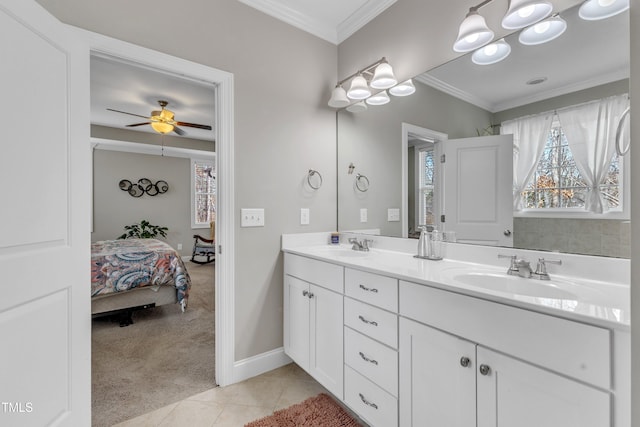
{"x": 478, "y": 189}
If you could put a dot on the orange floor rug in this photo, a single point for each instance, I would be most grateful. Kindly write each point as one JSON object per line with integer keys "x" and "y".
{"x": 318, "y": 411}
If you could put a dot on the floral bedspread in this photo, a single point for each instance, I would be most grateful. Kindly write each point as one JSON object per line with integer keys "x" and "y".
{"x": 122, "y": 265}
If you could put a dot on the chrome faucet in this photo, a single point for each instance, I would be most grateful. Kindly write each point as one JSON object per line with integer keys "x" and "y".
{"x": 541, "y": 269}
{"x": 360, "y": 245}
{"x": 518, "y": 266}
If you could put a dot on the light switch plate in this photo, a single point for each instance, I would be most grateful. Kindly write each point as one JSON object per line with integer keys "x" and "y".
{"x": 252, "y": 218}
{"x": 363, "y": 215}
{"x": 393, "y": 214}
{"x": 304, "y": 216}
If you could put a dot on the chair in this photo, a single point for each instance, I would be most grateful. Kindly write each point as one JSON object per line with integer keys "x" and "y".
{"x": 204, "y": 249}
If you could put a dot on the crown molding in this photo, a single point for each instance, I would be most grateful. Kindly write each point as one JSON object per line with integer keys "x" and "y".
{"x": 429, "y": 80}
{"x": 362, "y": 17}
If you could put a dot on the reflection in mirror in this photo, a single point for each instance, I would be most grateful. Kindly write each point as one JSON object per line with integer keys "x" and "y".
{"x": 461, "y": 99}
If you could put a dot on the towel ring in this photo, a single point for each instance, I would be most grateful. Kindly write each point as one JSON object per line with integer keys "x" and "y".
{"x": 312, "y": 173}
{"x": 362, "y": 182}
{"x": 621, "y": 152}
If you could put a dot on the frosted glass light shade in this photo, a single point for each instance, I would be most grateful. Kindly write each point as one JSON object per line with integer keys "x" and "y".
{"x": 543, "y": 31}
{"x": 592, "y": 10}
{"x": 473, "y": 33}
{"x": 380, "y": 98}
{"x": 358, "y": 107}
{"x": 522, "y": 13}
{"x": 491, "y": 53}
{"x": 359, "y": 88}
{"x": 161, "y": 127}
{"x": 383, "y": 77}
{"x": 339, "y": 98}
{"x": 405, "y": 88}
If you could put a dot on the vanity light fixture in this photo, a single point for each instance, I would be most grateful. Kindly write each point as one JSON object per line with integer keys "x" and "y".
{"x": 405, "y": 88}
{"x": 491, "y": 53}
{"x": 473, "y": 32}
{"x": 592, "y": 10}
{"x": 522, "y": 13}
{"x": 378, "y": 76}
{"x": 379, "y": 98}
{"x": 544, "y": 31}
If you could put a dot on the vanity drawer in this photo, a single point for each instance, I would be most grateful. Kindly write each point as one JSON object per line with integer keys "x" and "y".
{"x": 371, "y": 321}
{"x": 321, "y": 273}
{"x": 377, "y": 407}
{"x": 374, "y": 289}
{"x": 571, "y": 348}
{"x": 375, "y": 361}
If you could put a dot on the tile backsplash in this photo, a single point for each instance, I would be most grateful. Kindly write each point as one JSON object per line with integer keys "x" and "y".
{"x": 602, "y": 237}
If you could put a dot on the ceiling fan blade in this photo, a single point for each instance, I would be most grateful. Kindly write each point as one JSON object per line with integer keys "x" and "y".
{"x": 179, "y": 131}
{"x": 138, "y": 124}
{"x": 124, "y": 112}
{"x": 194, "y": 125}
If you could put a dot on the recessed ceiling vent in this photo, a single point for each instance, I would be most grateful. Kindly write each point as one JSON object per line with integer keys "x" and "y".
{"x": 537, "y": 80}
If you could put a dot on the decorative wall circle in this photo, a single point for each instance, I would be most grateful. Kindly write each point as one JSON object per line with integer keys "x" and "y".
{"x": 125, "y": 185}
{"x": 144, "y": 185}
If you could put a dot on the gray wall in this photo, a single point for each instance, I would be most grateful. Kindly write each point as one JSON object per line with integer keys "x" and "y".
{"x": 114, "y": 208}
{"x": 282, "y": 79}
{"x": 373, "y": 138}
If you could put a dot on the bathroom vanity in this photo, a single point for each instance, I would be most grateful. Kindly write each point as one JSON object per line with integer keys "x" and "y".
{"x": 411, "y": 342}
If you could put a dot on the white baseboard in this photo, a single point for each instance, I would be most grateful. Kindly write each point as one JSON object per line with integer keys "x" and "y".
{"x": 259, "y": 364}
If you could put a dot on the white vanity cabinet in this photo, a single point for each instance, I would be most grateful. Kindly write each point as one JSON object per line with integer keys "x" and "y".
{"x": 539, "y": 370}
{"x": 313, "y": 319}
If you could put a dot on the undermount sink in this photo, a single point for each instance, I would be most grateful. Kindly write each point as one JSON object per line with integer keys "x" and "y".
{"x": 341, "y": 251}
{"x": 554, "y": 289}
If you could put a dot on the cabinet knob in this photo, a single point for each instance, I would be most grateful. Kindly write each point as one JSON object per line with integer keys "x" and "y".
{"x": 485, "y": 369}
{"x": 305, "y": 293}
{"x": 311, "y": 295}
{"x": 465, "y": 361}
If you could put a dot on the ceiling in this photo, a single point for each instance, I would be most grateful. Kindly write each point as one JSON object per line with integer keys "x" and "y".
{"x": 588, "y": 54}
{"x": 137, "y": 89}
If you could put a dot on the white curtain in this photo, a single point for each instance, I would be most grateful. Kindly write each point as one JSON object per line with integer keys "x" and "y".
{"x": 591, "y": 131}
{"x": 529, "y": 138}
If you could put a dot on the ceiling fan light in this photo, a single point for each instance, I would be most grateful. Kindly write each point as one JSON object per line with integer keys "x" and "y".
{"x": 358, "y": 107}
{"x": 593, "y": 10}
{"x": 339, "y": 98}
{"x": 405, "y": 88}
{"x": 383, "y": 77}
{"x": 543, "y": 31}
{"x": 491, "y": 53}
{"x": 473, "y": 33}
{"x": 359, "y": 89}
{"x": 161, "y": 127}
{"x": 380, "y": 98}
{"x": 522, "y": 13}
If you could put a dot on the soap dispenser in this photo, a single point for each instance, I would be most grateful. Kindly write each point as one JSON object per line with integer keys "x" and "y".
{"x": 423, "y": 247}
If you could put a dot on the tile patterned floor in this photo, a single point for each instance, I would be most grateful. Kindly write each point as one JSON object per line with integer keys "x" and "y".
{"x": 237, "y": 404}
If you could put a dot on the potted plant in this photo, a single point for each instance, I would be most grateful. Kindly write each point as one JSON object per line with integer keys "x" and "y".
{"x": 143, "y": 230}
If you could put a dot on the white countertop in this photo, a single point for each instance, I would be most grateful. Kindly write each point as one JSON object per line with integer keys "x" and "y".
{"x": 594, "y": 302}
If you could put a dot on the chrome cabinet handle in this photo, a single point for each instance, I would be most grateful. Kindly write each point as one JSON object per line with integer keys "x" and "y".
{"x": 366, "y": 359}
{"x": 370, "y": 322}
{"x": 366, "y": 402}
{"x": 485, "y": 369}
{"x": 507, "y": 232}
{"x": 465, "y": 361}
{"x": 363, "y": 287}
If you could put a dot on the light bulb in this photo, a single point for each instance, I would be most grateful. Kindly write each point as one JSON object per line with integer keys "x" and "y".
{"x": 542, "y": 27}
{"x": 605, "y": 3}
{"x": 526, "y": 11}
{"x": 472, "y": 38}
{"x": 491, "y": 49}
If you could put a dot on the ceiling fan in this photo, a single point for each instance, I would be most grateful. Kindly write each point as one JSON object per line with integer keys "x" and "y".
{"x": 162, "y": 121}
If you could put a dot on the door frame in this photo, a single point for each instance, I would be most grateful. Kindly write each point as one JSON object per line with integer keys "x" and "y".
{"x": 225, "y": 224}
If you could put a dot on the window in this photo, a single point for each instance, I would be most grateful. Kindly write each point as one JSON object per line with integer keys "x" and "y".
{"x": 557, "y": 182}
{"x": 425, "y": 190}
{"x": 203, "y": 186}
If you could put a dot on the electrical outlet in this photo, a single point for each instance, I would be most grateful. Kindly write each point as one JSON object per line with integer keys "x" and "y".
{"x": 363, "y": 215}
{"x": 252, "y": 218}
{"x": 304, "y": 216}
{"x": 179, "y": 246}
{"x": 393, "y": 214}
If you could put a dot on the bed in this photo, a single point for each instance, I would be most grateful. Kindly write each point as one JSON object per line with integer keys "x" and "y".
{"x": 132, "y": 274}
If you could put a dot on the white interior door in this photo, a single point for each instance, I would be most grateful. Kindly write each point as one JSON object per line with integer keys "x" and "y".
{"x": 45, "y": 363}
{"x": 478, "y": 189}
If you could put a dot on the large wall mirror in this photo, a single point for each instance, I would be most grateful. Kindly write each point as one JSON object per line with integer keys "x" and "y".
{"x": 378, "y": 191}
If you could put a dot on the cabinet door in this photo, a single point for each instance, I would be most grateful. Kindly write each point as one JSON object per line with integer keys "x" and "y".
{"x": 326, "y": 343}
{"x": 514, "y": 393}
{"x": 296, "y": 321}
{"x": 437, "y": 378}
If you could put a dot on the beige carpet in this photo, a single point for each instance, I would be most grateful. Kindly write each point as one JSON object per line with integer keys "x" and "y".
{"x": 163, "y": 357}
{"x": 318, "y": 411}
